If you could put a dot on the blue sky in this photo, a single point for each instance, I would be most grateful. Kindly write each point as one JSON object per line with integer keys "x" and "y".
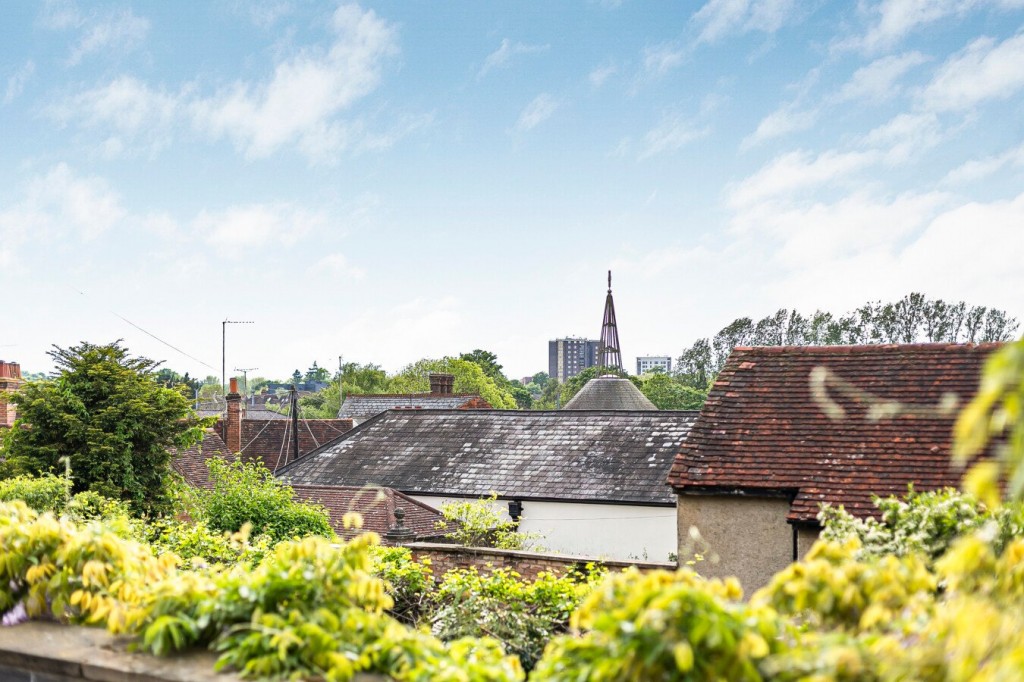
{"x": 397, "y": 180}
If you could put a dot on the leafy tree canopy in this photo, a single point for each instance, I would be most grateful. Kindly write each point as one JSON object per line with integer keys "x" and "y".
{"x": 913, "y": 319}
{"x": 107, "y": 414}
{"x": 670, "y": 393}
{"x": 469, "y": 378}
{"x": 317, "y": 374}
{"x": 488, "y": 362}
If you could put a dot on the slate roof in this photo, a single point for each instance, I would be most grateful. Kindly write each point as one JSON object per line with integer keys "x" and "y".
{"x": 268, "y": 440}
{"x": 580, "y": 456}
{"x": 361, "y": 407}
{"x": 376, "y": 505}
{"x": 761, "y": 432}
{"x": 609, "y": 393}
{"x": 191, "y": 462}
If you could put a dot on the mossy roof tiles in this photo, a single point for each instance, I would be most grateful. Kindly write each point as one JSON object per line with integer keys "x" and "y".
{"x": 615, "y": 456}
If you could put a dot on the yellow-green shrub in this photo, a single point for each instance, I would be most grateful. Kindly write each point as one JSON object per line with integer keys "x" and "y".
{"x": 309, "y": 608}
{"x": 664, "y": 626}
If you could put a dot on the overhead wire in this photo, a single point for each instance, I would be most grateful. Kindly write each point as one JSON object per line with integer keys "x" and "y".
{"x": 146, "y": 332}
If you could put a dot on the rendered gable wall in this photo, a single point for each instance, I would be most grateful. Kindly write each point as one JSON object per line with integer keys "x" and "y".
{"x": 743, "y": 536}
{"x": 612, "y": 531}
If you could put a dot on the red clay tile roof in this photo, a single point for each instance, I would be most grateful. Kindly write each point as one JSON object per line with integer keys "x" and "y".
{"x": 265, "y": 439}
{"x": 191, "y": 463}
{"x": 376, "y": 505}
{"x": 761, "y": 432}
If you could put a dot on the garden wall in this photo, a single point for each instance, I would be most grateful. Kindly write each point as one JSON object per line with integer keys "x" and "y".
{"x": 444, "y": 557}
{"x": 51, "y": 652}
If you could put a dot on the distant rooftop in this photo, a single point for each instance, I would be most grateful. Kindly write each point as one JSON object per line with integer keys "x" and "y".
{"x": 616, "y": 457}
{"x": 360, "y": 407}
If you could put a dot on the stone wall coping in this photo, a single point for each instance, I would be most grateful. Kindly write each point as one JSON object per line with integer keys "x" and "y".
{"x": 541, "y": 556}
{"x": 67, "y": 652}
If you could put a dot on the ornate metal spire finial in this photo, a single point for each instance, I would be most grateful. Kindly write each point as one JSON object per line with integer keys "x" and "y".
{"x": 608, "y": 352}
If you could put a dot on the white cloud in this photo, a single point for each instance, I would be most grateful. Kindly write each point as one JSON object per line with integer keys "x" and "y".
{"x": 601, "y": 74}
{"x": 660, "y": 59}
{"x": 862, "y": 247}
{"x": 789, "y": 118}
{"x": 121, "y": 32}
{"x": 898, "y": 18}
{"x": 264, "y": 13}
{"x": 59, "y": 204}
{"x": 905, "y": 136}
{"x": 719, "y": 18}
{"x": 536, "y": 112}
{"x": 338, "y": 264}
{"x": 129, "y": 107}
{"x": 794, "y": 172}
{"x": 300, "y": 102}
{"x": 238, "y": 228}
{"x": 432, "y": 325}
{"x": 502, "y": 57}
{"x": 16, "y": 82}
{"x": 983, "y": 70}
{"x": 60, "y": 15}
{"x": 670, "y": 135}
{"x": 979, "y": 169}
{"x": 969, "y": 247}
{"x": 879, "y": 79}
{"x": 822, "y": 232}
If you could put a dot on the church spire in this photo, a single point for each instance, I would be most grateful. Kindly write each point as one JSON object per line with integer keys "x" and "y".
{"x": 608, "y": 352}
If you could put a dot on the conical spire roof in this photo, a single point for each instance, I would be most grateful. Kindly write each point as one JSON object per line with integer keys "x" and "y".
{"x": 609, "y": 354}
{"x": 609, "y": 392}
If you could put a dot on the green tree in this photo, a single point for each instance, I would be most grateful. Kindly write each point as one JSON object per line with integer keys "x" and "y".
{"x": 488, "y": 362}
{"x": 913, "y": 319}
{"x": 550, "y": 396}
{"x": 170, "y": 379}
{"x": 317, "y": 374}
{"x": 211, "y": 389}
{"x": 246, "y": 492}
{"x": 522, "y": 395}
{"x": 106, "y": 413}
{"x": 469, "y": 378}
{"x": 671, "y": 393}
{"x": 368, "y": 378}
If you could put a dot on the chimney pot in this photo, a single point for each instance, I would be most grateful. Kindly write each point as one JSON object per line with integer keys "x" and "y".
{"x": 442, "y": 383}
{"x": 233, "y": 419}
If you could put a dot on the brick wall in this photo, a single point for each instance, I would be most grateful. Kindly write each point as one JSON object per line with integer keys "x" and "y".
{"x": 10, "y": 381}
{"x": 445, "y": 557}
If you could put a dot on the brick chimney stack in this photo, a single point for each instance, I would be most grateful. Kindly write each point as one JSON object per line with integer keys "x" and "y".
{"x": 442, "y": 383}
{"x": 10, "y": 381}
{"x": 233, "y": 423}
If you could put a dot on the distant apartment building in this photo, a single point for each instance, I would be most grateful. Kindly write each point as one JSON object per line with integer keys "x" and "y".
{"x": 649, "y": 363}
{"x": 568, "y": 357}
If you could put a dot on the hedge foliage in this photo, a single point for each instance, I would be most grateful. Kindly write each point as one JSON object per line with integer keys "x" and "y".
{"x": 247, "y": 493}
{"x": 309, "y": 608}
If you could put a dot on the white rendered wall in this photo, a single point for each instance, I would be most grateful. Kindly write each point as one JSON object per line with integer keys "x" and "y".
{"x": 610, "y": 531}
